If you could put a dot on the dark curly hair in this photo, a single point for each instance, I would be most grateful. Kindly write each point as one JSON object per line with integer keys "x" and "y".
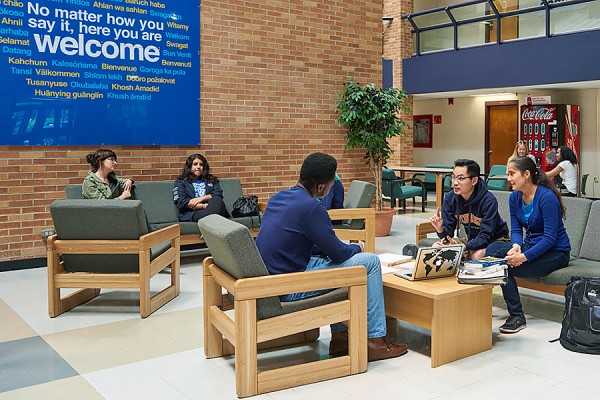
{"x": 317, "y": 168}
{"x": 188, "y": 175}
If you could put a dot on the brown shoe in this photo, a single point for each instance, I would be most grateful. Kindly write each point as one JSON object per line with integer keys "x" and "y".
{"x": 380, "y": 349}
{"x": 339, "y": 344}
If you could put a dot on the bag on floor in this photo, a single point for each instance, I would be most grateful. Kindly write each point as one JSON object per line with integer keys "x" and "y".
{"x": 245, "y": 206}
{"x": 581, "y": 321}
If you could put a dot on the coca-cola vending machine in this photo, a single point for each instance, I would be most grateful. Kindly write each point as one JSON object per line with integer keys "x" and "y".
{"x": 548, "y": 126}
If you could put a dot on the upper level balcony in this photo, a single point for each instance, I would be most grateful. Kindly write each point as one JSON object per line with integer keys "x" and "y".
{"x": 503, "y": 43}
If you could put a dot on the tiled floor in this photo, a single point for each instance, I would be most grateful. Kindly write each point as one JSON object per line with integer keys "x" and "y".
{"x": 103, "y": 350}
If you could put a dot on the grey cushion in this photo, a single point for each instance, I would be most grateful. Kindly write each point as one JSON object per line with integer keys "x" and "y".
{"x": 590, "y": 249}
{"x": 360, "y": 195}
{"x": 234, "y": 251}
{"x": 577, "y": 212}
{"x": 503, "y": 207}
{"x": 157, "y": 198}
{"x": 76, "y": 219}
{"x": 232, "y": 190}
{"x": 577, "y": 267}
{"x": 185, "y": 228}
{"x": 73, "y": 191}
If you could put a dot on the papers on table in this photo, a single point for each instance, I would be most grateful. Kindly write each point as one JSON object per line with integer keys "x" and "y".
{"x": 407, "y": 266}
{"x": 390, "y": 259}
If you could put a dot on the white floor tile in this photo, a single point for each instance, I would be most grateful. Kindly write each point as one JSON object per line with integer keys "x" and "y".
{"x": 525, "y": 362}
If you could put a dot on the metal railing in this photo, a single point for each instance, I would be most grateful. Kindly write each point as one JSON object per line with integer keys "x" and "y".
{"x": 492, "y": 18}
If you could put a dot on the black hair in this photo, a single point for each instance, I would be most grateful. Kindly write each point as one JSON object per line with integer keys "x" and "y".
{"x": 538, "y": 177}
{"x": 317, "y": 169}
{"x": 566, "y": 154}
{"x": 473, "y": 169}
{"x": 188, "y": 175}
{"x": 96, "y": 158}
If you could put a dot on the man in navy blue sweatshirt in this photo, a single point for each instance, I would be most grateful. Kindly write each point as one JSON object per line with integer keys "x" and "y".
{"x": 471, "y": 205}
{"x": 294, "y": 224}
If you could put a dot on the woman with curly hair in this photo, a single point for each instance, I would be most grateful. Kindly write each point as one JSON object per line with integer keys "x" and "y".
{"x": 197, "y": 192}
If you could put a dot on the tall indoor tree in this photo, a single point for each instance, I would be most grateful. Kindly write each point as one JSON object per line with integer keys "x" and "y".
{"x": 372, "y": 116}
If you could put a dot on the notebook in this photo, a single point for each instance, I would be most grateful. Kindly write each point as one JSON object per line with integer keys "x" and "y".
{"x": 433, "y": 262}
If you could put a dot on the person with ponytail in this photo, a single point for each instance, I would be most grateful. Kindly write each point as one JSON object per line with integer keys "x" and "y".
{"x": 566, "y": 169}
{"x": 536, "y": 207}
{"x": 102, "y": 182}
{"x": 197, "y": 192}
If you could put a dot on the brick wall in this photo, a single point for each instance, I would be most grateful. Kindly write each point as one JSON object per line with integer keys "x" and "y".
{"x": 398, "y": 45}
{"x": 270, "y": 73}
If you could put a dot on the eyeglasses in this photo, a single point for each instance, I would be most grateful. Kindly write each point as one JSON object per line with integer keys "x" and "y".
{"x": 111, "y": 159}
{"x": 459, "y": 178}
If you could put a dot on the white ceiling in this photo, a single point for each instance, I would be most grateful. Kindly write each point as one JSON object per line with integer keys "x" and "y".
{"x": 505, "y": 90}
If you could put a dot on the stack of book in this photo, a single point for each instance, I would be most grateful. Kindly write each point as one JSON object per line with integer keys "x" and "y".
{"x": 486, "y": 270}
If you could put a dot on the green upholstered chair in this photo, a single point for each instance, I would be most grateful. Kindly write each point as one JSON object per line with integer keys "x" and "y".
{"x": 106, "y": 244}
{"x": 395, "y": 188}
{"x": 262, "y": 319}
{"x": 495, "y": 183}
{"x": 429, "y": 178}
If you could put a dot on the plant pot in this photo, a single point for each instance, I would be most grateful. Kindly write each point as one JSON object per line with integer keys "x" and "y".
{"x": 383, "y": 221}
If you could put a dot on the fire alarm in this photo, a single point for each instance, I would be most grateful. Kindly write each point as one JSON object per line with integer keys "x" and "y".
{"x": 450, "y": 101}
{"x": 437, "y": 119}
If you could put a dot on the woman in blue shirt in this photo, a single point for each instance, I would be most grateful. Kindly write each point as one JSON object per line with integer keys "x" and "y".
{"x": 536, "y": 206}
{"x": 197, "y": 192}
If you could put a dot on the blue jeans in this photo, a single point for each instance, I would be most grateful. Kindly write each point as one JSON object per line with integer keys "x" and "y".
{"x": 541, "y": 266}
{"x": 375, "y": 306}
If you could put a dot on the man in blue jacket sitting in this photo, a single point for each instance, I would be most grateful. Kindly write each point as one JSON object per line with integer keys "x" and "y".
{"x": 471, "y": 205}
{"x": 294, "y": 225}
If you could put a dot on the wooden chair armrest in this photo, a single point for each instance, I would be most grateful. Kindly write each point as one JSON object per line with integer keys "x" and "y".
{"x": 352, "y": 213}
{"x": 262, "y": 206}
{"x": 276, "y": 285}
{"x": 422, "y": 229}
{"x": 160, "y": 236}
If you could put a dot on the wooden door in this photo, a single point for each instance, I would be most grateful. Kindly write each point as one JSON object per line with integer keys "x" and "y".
{"x": 501, "y": 131}
{"x": 510, "y": 25}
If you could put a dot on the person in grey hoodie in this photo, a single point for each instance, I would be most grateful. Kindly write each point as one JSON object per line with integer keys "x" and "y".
{"x": 472, "y": 206}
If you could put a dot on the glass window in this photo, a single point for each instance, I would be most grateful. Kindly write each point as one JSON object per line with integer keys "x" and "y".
{"x": 436, "y": 18}
{"x": 437, "y": 39}
{"x": 470, "y": 11}
{"x": 576, "y": 17}
{"x": 476, "y": 33}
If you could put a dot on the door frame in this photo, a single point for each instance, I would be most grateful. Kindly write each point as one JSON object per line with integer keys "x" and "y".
{"x": 488, "y": 104}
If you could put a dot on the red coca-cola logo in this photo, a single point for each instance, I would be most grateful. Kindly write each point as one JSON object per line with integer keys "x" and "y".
{"x": 542, "y": 113}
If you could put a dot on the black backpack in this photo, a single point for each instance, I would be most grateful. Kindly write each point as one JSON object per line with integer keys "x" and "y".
{"x": 581, "y": 321}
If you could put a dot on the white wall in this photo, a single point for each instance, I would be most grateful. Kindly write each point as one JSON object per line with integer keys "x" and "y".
{"x": 462, "y": 131}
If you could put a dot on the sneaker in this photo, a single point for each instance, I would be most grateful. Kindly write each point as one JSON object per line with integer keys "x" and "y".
{"x": 514, "y": 324}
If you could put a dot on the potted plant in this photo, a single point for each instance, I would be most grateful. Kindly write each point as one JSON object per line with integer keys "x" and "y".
{"x": 372, "y": 116}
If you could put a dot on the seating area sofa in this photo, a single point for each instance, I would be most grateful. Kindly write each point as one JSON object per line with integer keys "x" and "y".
{"x": 582, "y": 223}
{"x": 160, "y": 211}
{"x": 157, "y": 198}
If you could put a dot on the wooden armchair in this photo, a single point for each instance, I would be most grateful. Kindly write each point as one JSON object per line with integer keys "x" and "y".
{"x": 106, "y": 244}
{"x": 261, "y": 319}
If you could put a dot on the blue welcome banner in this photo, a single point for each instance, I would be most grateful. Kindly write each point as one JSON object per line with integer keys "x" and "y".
{"x": 112, "y": 72}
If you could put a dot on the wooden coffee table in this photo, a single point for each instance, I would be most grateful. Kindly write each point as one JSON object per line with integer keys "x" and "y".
{"x": 458, "y": 316}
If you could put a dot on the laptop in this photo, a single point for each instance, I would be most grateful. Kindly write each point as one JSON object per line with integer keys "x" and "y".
{"x": 433, "y": 262}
